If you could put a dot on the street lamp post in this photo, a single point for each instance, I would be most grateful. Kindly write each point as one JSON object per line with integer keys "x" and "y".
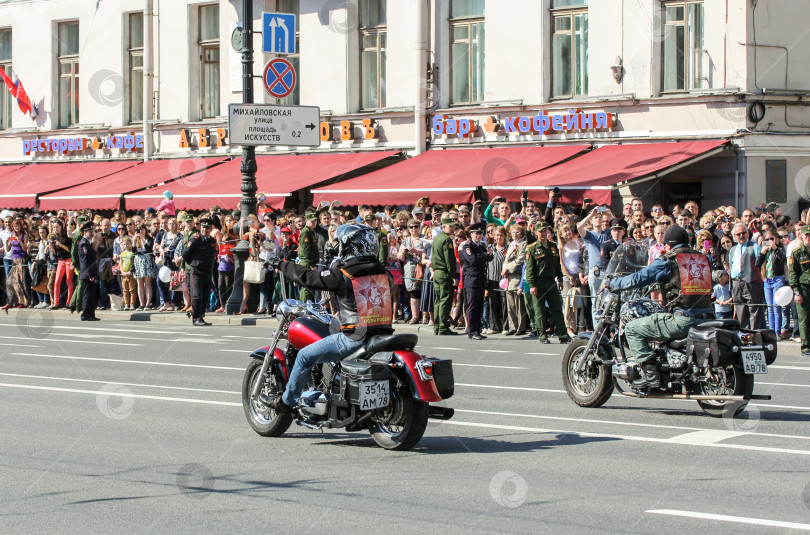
{"x": 248, "y": 167}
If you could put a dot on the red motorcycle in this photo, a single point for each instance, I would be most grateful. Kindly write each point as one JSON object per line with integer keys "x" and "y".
{"x": 384, "y": 386}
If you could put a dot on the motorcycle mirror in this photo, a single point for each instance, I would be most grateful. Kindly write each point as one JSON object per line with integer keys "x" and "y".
{"x": 596, "y": 272}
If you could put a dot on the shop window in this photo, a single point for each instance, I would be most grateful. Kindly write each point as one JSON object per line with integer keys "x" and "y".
{"x": 5, "y": 65}
{"x": 68, "y": 59}
{"x": 569, "y": 48}
{"x": 135, "y": 85}
{"x": 293, "y": 6}
{"x": 372, "y": 53}
{"x": 683, "y": 45}
{"x": 209, "y": 61}
{"x": 467, "y": 51}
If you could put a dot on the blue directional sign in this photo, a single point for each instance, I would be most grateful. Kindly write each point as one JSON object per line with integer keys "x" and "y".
{"x": 278, "y": 32}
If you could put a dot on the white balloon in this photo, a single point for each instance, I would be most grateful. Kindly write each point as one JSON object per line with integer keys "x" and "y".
{"x": 783, "y": 296}
{"x": 165, "y": 274}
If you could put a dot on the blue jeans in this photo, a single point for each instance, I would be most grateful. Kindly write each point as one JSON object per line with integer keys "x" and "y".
{"x": 774, "y": 312}
{"x": 330, "y": 349}
{"x": 724, "y": 314}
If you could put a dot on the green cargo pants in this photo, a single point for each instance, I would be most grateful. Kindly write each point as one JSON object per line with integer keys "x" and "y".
{"x": 547, "y": 291}
{"x": 78, "y": 294}
{"x": 443, "y": 300}
{"x": 803, "y": 314}
{"x": 657, "y": 327}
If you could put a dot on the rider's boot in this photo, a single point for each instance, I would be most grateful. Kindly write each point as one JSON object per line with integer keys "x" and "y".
{"x": 650, "y": 378}
{"x": 276, "y": 403}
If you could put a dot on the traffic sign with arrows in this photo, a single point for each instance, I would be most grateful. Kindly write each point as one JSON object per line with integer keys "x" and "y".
{"x": 278, "y": 33}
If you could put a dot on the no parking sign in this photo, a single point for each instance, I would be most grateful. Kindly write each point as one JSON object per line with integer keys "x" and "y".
{"x": 279, "y": 77}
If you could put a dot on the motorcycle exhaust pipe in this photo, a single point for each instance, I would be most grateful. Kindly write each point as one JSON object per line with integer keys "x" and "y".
{"x": 441, "y": 413}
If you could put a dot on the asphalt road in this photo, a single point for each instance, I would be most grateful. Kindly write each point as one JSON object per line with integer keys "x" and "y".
{"x": 135, "y": 427}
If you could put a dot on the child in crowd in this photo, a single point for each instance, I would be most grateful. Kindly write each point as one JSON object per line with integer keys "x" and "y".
{"x": 127, "y": 277}
{"x": 167, "y": 203}
{"x": 721, "y": 294}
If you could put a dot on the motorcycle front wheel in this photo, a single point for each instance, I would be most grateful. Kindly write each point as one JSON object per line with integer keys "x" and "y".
{"x": 733, "y": 382}
{"x": 261, "y": 418}
{"x": 591, "y": 388}
{"x": 400, "y": 425}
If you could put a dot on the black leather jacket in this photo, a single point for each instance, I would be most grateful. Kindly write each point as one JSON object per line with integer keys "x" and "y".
{"x": 359, "y": 279}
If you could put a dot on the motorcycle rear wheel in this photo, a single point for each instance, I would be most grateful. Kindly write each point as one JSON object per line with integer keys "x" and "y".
{"x": 262, "y": 419}
{"x": 743, "y": 385}
{"x": 593, "y": 387}
{"x": 411, "y": 423}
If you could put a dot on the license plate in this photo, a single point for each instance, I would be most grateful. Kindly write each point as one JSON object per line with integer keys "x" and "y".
{"x": 374, "y": 395}
{"x": 754, "y": 362}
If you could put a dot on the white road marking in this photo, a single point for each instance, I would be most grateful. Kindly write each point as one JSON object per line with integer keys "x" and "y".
{"x": 117, "y": 336}
{"x": 630, "y": 424}
{"x": 70, "y": 379}
{"x": 792, "y": 407}
{"x": 544, "y": 354}
{"x": 246, "y": 351}
{"x": 104, "y": 329}
{"x": 495, "y": 351}
{"x": 728, "y": 518}
{"x": 19, "y": 345}
{"x": 446, "y": 348}
{"x": 488, "y": 366}
{"x": 776, "y": 367}
{"x": 784, "y": 384}
{"x": 118, "y": 361}
{"x": 122, "y": 395}
{"x": 511, "y": 388}
{"x": 619, "y": 437}
{"x": 708, "y": 436}
{"x": 78, "y": 341}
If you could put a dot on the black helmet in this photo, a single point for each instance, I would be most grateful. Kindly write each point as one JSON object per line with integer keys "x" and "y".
{"x": 676, "y": 235}
{"x": 356, "y": 240}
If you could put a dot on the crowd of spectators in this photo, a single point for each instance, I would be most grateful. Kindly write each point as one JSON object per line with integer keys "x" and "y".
{"x": 747, "y": 253}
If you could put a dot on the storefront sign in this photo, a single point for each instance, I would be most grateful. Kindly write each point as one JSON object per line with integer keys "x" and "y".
{"x": 542, "y": 124}
{"x": 205, "y": 138}
{"x": 346, "y": 131}
{"x": 129, "y": 142}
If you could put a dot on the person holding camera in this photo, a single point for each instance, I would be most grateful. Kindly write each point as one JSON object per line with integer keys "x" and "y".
{"x": 497, "y": 212}
{"x": 771, "y": 261}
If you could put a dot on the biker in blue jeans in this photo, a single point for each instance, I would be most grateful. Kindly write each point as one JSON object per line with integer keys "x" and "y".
{"x": 363, "y": 291}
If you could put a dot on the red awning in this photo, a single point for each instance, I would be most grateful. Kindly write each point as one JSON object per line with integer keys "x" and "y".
{"x": 446, "y": 176}
{"x": 6, "y": 169}
{"x": 595, "y": 174}
{"x": 276, "y": 176}
{"x": 19, "y": 189}
{"x": 105, "y": 193}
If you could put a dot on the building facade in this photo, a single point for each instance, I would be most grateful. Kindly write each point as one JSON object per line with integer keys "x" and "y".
{"x": 153, "y": 79}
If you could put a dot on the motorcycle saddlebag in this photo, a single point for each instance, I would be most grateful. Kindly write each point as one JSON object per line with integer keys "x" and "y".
{"x": 711, "y": 347}
{"x": 443, "y": 377}
{"x": 354, "y": 372}
{"x": 769, "y": 338}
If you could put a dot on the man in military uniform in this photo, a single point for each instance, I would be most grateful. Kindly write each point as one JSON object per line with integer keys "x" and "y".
{"x": 542, "y": 267}
{"x": 308, "y": 252}
{"x": 200, "y": 255}
{"x": 686, "y": 279}
{"x": 618, "y": 228}
{"x": 88, "y": 271}
{"x": 382, "y": 237}
{"x": 443, "y": 262}
{"x": 799, "y": 280}
{"x": 474, "y": 256}
{"x": 78, "y": 293}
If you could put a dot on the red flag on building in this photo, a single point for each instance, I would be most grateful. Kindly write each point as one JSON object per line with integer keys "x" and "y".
{"x": 18, "y": 92}
{"x": 11, "y": 87}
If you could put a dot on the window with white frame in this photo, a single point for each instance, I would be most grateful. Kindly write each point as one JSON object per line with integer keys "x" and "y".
{"x": 293, "y": 6}
{"x": 135, "y": 85}
{"x": 5, "y": 65}
{"x": 466, "y": 51}
{"x": 683, "y": 45}
{"x": 209, "y": 61}
{"x": 569, "y": 48}
{"x": 372, "y": 53}
{"x": 68, "y": 59}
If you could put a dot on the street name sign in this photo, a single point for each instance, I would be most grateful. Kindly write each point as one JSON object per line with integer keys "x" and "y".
{"x": 268, "y": 124}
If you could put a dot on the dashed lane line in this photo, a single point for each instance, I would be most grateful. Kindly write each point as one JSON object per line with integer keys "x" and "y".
{"x": 119, "y": 361}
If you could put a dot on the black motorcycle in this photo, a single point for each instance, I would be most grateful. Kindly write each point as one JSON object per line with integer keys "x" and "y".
{"x": 714, "y": 365}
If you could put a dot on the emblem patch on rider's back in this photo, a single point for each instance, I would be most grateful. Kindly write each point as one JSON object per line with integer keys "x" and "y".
{"x": 373, "y": 297}
{"x": 696, "y": 274}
